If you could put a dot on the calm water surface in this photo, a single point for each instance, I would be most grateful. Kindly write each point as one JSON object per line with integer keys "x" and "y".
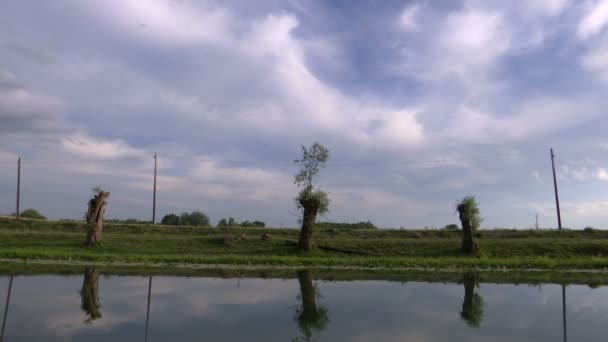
{"x": 95, "y": 307}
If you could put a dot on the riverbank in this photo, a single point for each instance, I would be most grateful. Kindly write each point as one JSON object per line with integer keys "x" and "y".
{"x": 368, "y": 249}
{"x": 591, "y": 278}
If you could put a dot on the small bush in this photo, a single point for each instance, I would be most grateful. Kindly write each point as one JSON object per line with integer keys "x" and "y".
{"x": 32, "y": 214}
{"x": 452, "y": 227}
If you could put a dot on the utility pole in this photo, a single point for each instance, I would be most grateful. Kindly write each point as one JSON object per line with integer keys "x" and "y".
{"x": 559, "y": 215}
{"x": 154, "y": 199}
{"x": 18, "y": 185}
{"x": 536, "y": 224}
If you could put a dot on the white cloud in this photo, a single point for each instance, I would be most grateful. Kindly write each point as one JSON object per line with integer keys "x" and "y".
{"x": 548, "y": 7}
{"x": 588, "y": 209}
{"x": 220, "y": 82}
{"x": 595, "y": 19}
{"x": 602, "y": 174}
{"x": 596, "y": 60}
{"x": 536, "y": 176}
{"x": 473, "y": 39}
{"x": 252, "y": 183}
{"x": 389, "y": 129}
{"x": 88, "y": 147}
{"x": 409, "y": 17}
{"x": 169, "y": 22}
{"x": 527, "y": 121}
{"x": 580, "y": 174}
{"x": 25, "y": 111}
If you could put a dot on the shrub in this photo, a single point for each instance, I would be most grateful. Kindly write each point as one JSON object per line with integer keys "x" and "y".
{"x": 32, "y": 214}
{"x": 195, "y": 218}
{"x": 170, "y": 219}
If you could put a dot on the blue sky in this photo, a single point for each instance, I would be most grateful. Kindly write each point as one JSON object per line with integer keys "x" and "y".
{"x": 419, "y": 102}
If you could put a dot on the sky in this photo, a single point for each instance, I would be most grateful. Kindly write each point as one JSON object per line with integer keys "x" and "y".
{"x": 420, "y": 103}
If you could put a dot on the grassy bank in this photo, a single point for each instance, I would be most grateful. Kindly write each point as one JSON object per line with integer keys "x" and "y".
{"x": 591, "y": 279}
{"x": 30, "y": 239}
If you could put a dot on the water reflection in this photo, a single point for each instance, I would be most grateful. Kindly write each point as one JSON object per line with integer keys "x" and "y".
{"x": 90, "y": 294}
{"x": 148, "y": 307}
{"x": 564, "y": 312}
{"x": 196, "y": 308}
{"x": 473, "y": 304}
{"x": 8, "y": 299}
{"x": 311, "y": 317}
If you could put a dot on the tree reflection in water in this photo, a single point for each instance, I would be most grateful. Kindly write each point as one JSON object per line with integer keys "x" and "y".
{"x": 473, "y": 304}
{"x": 90, "y": 294}
{"x": 310, "y": 316}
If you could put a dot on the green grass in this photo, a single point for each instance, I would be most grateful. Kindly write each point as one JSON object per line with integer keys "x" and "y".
{"x": 592, "y": 279}
{"x": 525, "y": 249}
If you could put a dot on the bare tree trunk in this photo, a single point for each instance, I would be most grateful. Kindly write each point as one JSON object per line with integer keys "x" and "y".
{"x": 311, "y": 208}
{"x": 89, "y": 294}
{"x": 97, "y": 207}
{"x": 469, "y": 246}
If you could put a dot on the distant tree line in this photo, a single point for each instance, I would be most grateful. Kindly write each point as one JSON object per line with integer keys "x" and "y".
{"x": 346, "y": 226}
{"x": 231, "y": 222}
{"x": 195, "y": 218}
{"x": 127, "y": 221}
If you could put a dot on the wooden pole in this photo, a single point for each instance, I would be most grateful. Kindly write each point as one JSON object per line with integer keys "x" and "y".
{"x": 154, "y": 198}
{"x": 8, "y": 298}
{"x": 18, "y": 186}
{"x": 559, "y": 215}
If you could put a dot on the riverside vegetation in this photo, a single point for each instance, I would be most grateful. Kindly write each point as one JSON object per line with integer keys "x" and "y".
{"x": 360, "y": 248}
{"x": 190, "y": 240}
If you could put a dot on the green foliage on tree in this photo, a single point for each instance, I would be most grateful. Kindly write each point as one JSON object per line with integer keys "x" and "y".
{"x": 307, "y": 195}
{"x": 453, "y": 227}
{"x": 127, "y": 221}
{"x": 170, "y": 220}
{"x": 32, "y": 214}
{"x": 310, "y": 201}
{"x": 346, "y": 226}
{"x": 254, "y": 224}
{"x": 232, "y": 222}
{"x": 195, "y": 218}
{"x": 468, "y": 209}
{"x": 313, "y": 158}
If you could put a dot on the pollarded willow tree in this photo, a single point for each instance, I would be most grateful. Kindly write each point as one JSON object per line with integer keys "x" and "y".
{"x": 468, "y": 210}
{"x": 310, "y": 201}
{"x": 97, "y": 207}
